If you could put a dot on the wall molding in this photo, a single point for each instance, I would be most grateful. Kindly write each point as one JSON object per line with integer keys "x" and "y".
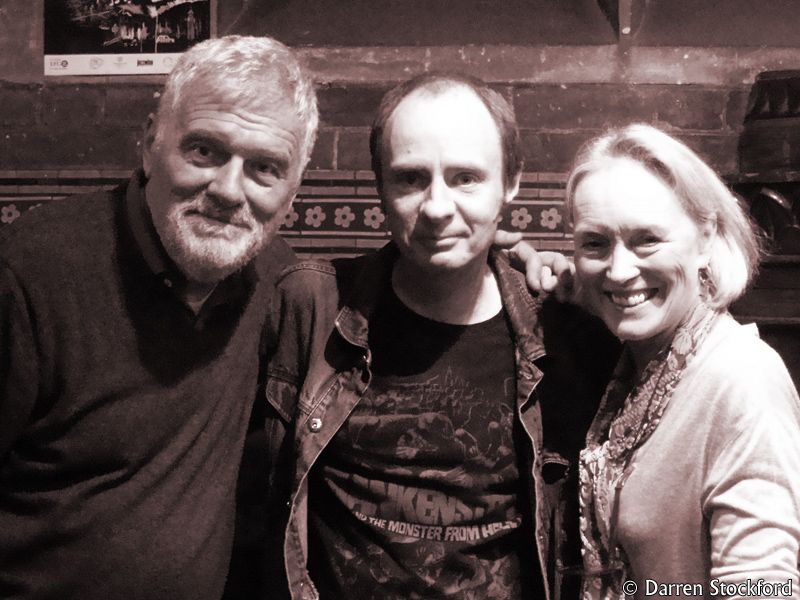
{"x": 722, "y": 66}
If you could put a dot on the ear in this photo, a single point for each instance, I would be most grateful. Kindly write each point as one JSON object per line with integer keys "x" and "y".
{"x": 513, "y": 189}
{"x": 148, "y": 143}
{"x": 707, "y": 232}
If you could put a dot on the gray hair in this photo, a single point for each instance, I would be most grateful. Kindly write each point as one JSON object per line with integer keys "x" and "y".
{"x": 736, "y": 247}
{"x": 242, "y": 66}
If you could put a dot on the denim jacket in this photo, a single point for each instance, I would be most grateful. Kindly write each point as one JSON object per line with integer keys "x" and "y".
{"x": 320, "y": 369}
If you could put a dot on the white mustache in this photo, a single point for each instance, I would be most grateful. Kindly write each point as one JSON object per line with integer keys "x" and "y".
{"x": 240, "y": 216}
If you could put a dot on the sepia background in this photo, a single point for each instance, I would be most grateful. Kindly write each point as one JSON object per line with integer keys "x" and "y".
{"x": 723, "y": 75}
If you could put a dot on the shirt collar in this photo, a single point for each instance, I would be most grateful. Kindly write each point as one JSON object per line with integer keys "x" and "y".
{"x": 144, "y": 233}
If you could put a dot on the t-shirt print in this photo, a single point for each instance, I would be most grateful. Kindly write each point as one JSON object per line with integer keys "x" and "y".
{"x": 418, "y": 494}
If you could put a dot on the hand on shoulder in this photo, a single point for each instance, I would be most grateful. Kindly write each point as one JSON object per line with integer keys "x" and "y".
{"x": 545, "y": 271}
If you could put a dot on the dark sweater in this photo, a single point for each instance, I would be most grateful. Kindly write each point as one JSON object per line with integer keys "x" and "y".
{"x": 122, "y": 414}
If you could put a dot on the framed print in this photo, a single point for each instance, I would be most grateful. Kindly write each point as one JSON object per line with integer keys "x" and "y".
{"x": 115, "y": 37}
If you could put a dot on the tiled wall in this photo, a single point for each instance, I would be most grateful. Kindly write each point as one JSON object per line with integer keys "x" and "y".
{"x": 336, "y": 213}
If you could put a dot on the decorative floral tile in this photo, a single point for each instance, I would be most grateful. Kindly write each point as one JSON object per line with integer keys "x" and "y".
{"x": 343, "y": 206}
{"x": 327, "y": 216}
{"x": 545, "y": 219}
{"x": 359, "y": 217}
{"x": 10, "y": 210}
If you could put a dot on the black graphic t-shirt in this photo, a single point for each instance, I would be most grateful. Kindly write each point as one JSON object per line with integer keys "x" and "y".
{"x": 419, "y": 494}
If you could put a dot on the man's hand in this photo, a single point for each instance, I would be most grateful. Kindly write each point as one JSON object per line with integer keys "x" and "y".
{"x": 544, "y": 271}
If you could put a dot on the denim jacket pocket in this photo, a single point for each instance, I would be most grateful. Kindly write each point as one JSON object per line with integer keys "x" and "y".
{"x": 555, "y": 468}
{"x": 559, "y": 476}
{"x": 556, "y": 471}
{"x": 281, "y": 394}
{"x": 281, "y": 400}
{"x": 561, "y": 488}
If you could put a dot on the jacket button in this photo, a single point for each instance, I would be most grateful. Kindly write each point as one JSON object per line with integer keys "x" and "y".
{"x": 315, "y": 424}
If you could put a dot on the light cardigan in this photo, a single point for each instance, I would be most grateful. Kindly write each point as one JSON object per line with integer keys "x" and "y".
{"x": 715, "y": 491}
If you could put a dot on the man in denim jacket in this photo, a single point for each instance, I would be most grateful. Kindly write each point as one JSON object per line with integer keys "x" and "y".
{"x": 428, "y": 410}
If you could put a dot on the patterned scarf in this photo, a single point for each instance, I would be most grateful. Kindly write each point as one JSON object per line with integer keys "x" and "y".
{"x": 629, "y": 413}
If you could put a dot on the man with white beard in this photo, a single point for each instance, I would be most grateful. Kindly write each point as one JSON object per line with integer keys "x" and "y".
{"x": 131, "y": 328}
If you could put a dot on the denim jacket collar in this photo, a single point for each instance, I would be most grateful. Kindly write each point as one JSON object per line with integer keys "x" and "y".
{"x": 374, "y": 278}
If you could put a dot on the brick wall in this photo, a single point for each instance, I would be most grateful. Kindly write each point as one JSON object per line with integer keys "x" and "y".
{"x": 68, "y": 133}
{"x": 55, "y": 125}
{"x": 556, "y": 118}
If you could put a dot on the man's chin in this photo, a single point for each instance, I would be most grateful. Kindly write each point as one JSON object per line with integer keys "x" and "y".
{"x": 443, "y": 261}
{"x": 210, "y": 263}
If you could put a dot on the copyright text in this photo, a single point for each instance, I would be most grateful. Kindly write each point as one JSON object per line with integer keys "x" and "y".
{"x": 749, "y": 587}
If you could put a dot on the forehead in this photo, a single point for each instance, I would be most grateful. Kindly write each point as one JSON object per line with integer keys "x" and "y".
{"x": 454, "y": 119}
{"x": 622, "y": 192}
{"x": 266, "y": 96}
{"x": 268, "y": 121}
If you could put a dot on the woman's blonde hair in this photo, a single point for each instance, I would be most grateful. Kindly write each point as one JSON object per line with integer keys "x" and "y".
{"x": 736, "y": 248}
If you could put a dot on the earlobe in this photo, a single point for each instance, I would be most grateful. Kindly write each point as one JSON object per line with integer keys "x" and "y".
{"x": 708, "y": 234}
{"x": 707, "y": 238}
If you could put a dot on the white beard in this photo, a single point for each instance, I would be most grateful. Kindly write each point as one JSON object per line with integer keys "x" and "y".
{"x": 208, "y": 251}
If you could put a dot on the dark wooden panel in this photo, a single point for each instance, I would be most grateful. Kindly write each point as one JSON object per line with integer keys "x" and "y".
{"x": 419, "y": 22}
{"x": 786, "y": 340}
{"x": 775, "y": 293}
{"x": 774, "y": 305}
{"x": 718, "y": 23}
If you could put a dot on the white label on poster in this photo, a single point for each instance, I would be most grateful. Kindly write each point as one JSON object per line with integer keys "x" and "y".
{"x": 109, "y": 64}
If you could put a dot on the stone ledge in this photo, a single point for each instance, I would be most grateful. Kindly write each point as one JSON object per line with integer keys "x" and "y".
{"x": 722, "y": 66}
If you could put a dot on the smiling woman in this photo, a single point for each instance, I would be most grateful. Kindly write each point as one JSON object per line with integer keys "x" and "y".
{"x": 661, "y": 249}
{"x": 636, "y": 249}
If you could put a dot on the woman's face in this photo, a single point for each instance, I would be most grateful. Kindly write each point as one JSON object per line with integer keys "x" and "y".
{"x": 637, "y": 253}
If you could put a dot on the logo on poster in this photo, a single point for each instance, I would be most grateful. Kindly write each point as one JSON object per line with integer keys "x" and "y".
{"x": 144, "y": 63}
{"x": 58, "y": 63}
{"x": 119, "y": 61}
{"x": 95, "y": 62}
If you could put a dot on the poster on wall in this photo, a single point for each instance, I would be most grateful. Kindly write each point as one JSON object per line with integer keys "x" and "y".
{"x": 118, "y": 37}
